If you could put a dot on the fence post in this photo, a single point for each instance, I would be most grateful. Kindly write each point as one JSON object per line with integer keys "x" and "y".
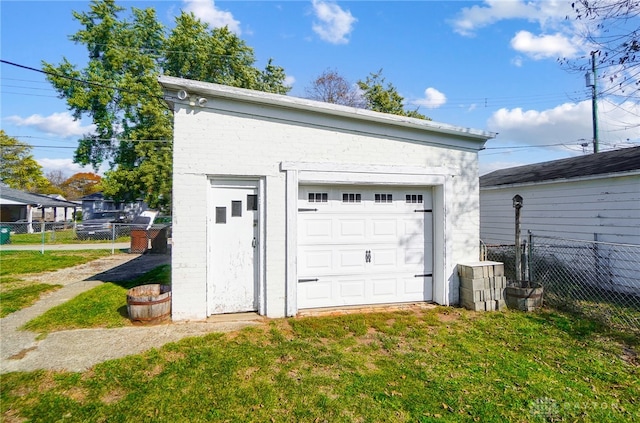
{"x": 517, "y": 204}
{"x": 525, "y": 261}
{"x": 42, "y": 231}
{"x": 113, "y": 238}
{"x": 530, "y": 256}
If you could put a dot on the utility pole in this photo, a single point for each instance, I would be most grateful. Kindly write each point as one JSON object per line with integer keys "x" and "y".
{"x": 594, "y": 101}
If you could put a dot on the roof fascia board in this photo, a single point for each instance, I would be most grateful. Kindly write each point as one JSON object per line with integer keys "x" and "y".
{"x": 563, "y": 180}
{"x": 473, "y": 139}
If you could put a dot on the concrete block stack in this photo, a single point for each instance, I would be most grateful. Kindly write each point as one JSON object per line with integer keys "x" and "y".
{"x": 482, "y": 285}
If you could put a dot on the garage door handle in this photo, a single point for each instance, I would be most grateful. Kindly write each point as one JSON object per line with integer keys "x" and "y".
{"x": 307, "y": 210}
{"x": 309, "y": 280}
{"x": 367, "y": 256}
{"x": 254, "y": 242}
{"x": 426, "y": 275}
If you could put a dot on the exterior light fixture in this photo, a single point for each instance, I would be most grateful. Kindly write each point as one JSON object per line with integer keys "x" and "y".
{"x": 517, "y": 202}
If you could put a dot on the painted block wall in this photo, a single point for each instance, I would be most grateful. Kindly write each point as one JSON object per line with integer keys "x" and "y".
{"x": 231, "y": 139}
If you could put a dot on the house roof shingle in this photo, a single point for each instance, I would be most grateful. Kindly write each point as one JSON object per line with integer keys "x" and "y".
{"x": 32, "y": 199}
{"x": 623, "y": 160}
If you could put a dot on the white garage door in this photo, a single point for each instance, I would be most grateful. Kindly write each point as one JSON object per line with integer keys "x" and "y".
{"x": 364, "y": 245}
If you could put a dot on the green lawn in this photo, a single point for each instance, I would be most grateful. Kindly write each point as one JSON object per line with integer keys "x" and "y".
{"x": 443, "y": 364}
{"x": 15, "y": 292}
{"x": 102, "y": 306}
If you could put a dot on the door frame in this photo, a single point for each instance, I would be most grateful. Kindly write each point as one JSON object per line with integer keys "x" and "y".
{"x": 435, "y": 179}
{"x": 230, "y": 182}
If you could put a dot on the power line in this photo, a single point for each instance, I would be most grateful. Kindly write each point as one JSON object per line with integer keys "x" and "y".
{"x": 30, "y": 95}
{"x": 525, "y": 146}
{"x": 82, "y": 81}
{"x": 94, "y": 139}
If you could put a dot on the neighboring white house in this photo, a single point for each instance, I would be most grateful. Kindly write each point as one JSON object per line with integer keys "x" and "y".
{"x": 592, "y": 197}
{"x": 16, "y": 205}
{"x": 587, "y": 198}
{"x": 281, "y": 204}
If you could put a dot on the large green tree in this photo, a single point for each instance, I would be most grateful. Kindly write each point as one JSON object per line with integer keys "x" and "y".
{"x": 119, "y": 92}
{"x": 18, "y": 168}
{"x": 383, "y": 97}
{"x": 371, "y": 93}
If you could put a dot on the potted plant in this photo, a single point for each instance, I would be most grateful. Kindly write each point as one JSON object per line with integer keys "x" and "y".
{"x": 524, "y": 295}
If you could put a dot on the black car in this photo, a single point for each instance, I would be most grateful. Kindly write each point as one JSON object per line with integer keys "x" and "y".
{"x": 100, "y": 225}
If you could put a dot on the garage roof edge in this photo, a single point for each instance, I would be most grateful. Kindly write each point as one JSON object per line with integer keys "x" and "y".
{"x": 246, "y": 95}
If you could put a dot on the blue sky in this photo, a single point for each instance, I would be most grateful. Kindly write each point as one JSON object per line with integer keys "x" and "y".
{"x": 488, "y": 65}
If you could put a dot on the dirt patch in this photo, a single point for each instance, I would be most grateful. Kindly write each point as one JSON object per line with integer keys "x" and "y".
{"x": 77, "y": 394}
{"x": 80, "y": 272}
{"x": 113, "y": 396}
{"x": 448, "y": 317}
{"x": 12, "y": 416}
{"x": 630, "y": 356}
{"x": 22, "y": 354}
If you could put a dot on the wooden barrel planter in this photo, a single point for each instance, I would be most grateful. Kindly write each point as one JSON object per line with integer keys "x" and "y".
{"x": 149, "y": 304}
{"x": 523, "y": 295}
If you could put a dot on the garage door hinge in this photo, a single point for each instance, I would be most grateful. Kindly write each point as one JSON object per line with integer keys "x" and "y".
{"x": 423, "y": 211}
{"x": 304, "y": 210}
{"x": 426, "y": 275}
{"x": 309, "y": 280}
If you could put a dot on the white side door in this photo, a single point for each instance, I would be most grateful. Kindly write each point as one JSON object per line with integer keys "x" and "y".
{"x": 233, "y": 247}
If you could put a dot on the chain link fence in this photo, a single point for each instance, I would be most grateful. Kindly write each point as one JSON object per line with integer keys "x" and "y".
{"x": 600, "y": 280}
{"x": 56, "y": 235}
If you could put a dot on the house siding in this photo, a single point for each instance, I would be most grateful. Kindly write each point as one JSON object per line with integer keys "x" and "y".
{"x": 245, "y": 140}
{"x": 604, "y": 208}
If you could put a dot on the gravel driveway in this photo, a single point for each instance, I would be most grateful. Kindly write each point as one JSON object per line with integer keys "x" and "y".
{"x": 78, "y": 350}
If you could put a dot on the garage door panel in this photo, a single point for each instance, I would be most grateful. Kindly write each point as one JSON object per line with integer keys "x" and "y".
{"x": 413, "y": 226}
{"x": 316, "y": 292}
{"x": 384, "y": 228}
{"x": 413, "y": 257}
{"x": 365, "y": 250}
{"x": 317, "y": 260}
{"x": 353, "y": 290}
{"x": 316, "y": 229}
{"x": 384, "y": 287}
{"x": 384, "y": 258}
{"x": 351, "y": 229}
{"x": 413, "y": 286}
{"x": 350, "y": 260}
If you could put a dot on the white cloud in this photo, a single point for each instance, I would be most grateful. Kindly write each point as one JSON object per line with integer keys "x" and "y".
{"x": 59, "y": 124}
{"x": 545, "y": 13}
{"x": 289, "y": 81}
{"x": 568, "y": 124}
{"x": 334, "y": 24}
{"x": 517, "y": 61}
{"x": 432, "y": 99}
{"x": 558, "y": 37}
{"x": 68, "y": 167}
{"x": 543, "y": 46}
{"x": 565, "y": 123}
{"x": 207, "y": 11}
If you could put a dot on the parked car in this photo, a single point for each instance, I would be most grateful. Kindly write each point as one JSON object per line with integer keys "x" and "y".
{"x": 100, "y": 225}
{"x": 22, "y": 226}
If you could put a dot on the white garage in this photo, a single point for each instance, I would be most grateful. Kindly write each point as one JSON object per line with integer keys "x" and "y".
{"x": 282, "y": 204}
